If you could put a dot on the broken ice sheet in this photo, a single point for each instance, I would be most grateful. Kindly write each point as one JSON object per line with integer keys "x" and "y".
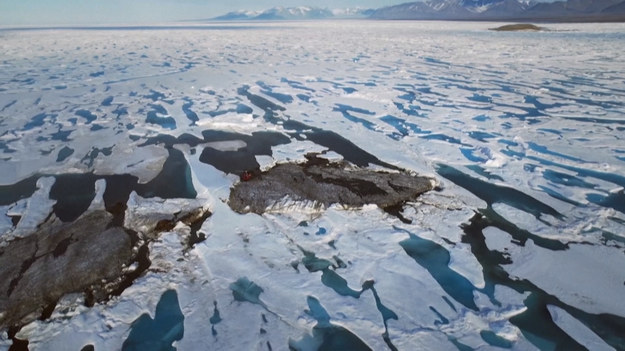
{"x": 539, "y": 129}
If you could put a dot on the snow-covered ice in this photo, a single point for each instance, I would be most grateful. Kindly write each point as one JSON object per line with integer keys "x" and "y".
{"x": 520, "y": 247}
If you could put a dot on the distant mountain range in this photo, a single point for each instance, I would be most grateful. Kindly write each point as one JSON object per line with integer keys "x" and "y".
{"x": 295, "y": 13}
{"x": 470, "y": 10}
{"x": 571, "y": 10}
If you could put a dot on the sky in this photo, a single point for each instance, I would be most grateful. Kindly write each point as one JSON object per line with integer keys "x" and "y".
{"x": 66, "y": 12}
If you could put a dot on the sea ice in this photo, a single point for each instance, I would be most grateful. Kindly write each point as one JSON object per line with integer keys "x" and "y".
{"x": 520, "y": 245}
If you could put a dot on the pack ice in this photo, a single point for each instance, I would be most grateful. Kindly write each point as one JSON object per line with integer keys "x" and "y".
{"x": 339, "y": 185}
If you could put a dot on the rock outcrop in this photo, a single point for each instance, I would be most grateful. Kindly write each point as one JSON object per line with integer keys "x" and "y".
{"x": 96, "y": 254}
{"x": 527, "y": 27}
{"x": 323, "y": 183}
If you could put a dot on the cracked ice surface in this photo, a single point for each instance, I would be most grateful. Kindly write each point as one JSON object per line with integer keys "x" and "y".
{"x": 522, "y": 248}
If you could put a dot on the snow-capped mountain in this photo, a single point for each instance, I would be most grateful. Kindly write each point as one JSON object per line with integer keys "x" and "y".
{"x": 570, "y": 10}
{"x": 505, "y": 9}
{"x": 453, "y": 9}
{"x": 352, "y": 12}
{"x": 593, "y": 9}
{"x": 238, "y": 15}
{"x": 296, "y": 13}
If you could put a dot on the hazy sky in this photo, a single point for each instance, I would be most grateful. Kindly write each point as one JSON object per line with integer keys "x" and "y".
{"x": 49, "y": 12}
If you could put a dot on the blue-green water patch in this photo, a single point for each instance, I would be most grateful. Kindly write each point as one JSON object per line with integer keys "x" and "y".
{"x": 535, "y": 322}
{"x": 173, "y": 181}
{"x": 215, "y": 318}
{"x": 615, "y": 200}
{"x": 107, "y": 101}
{"x": 435, "y": 259}
{"x": 155, "y": 95}
{"x": 385, "y": 312}
{"x": 329, "y": 139}
{"x": 480, "y": 98}
{"x": 73, "y": 194}
{"x": 242, "y": 108}
{"x": 556, "y": 195}
{"x": 596, "y": 120}
{"x": 159, "y": 333}
{"x": 64, "y": 153}
{"x": 268, "y": 90}
{"x": 260, "y": 101}
{"x": 327, "y": 336}
{"x": 22, "y": 189}
{"x": 191, "y": 115}
{"x": 566, "y": 179}
{"x": 469, "y": 154}
{"x": 492, "y": 193}
{"x": 296, "y": 85}
{"x": 552, "y": 131}
{"x": 36, "y": 121}
{"x": 337, "y": 283}
{"x": 87, "y": 115}
{"x": 484, "y": 173}
{"x": 90, "y": 156}
{"x": 481, "y": 118}
{"x": 581, "y": 172}
{"x": 314, "y": 264}
{"x": 495, "y": 340}
{"x": 404, "y": 127}
{"x": 165, "y": 122}
{"x": 481, "y": 136}
{"x": 244, "y": 159}
{"x": 304, "y": 97}
{"x": 245, "y": 290}
{"x": 544, "y": 150}
{"x": 443, "y": 137}
{"x": 61, "y": 135}
{"x": 442, "y": 320}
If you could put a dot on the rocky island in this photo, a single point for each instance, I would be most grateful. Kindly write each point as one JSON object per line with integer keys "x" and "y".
{"x": 519, "y": 27}
{"x": 322, "y": 183}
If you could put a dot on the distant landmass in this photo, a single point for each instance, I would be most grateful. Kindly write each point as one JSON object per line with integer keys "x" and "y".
{"x": 295, "y": 13}
{"x": 458, "y": 10}
{"x": 491, "y": 10}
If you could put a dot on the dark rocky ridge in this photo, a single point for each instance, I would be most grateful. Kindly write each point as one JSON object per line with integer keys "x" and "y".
{"x": 325, "y": 183}
{"x": 517, "y": 27}
{"x": 506, "y": 10}
{"x": 58, "y": 259}
{"x": 88, "y": 255}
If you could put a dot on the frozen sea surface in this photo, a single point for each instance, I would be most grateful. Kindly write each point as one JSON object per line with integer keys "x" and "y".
{"x": 522, "y": 248}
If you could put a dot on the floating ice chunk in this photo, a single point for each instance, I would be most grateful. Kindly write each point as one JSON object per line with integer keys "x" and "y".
{"x": 485, "y": 155}
{"x": 464, "y": 263}
{"x": 239, "y": 122}
{"x": 207, "y": 90}
{"x": 546, "y": 226}
{"x": 144, "y": 162}
{"x": 5, "y": 219}
{"x": 38, "y": 207}
{"x": 265, "y": 162}
{"x": 295, "y": 151}
{"x": 208, "y": 181}
{"x": 143, "y": 214}
{"x": 577, "y": 330}
{"x": 587, "y": 277}
{"x": 332, "y": 156}
{"x": 228, "y": 145}
{"x": 495, "y": 160}
{"x": 15, "y": 170}
{"x": 497, "y": 239}
{"x": 98, "y": 201}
